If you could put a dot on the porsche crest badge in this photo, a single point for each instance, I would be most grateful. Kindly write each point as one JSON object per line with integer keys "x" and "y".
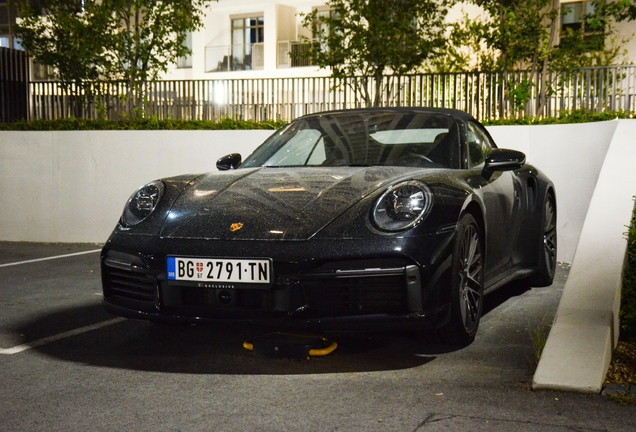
{"x": 236, "y": 226}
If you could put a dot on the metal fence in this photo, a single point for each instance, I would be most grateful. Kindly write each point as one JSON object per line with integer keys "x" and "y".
{"x": 14, "y": 78}
{"x": 484, "y": 95}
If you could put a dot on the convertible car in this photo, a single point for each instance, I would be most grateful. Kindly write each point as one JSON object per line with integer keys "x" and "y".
{"x": 369, "y": 219}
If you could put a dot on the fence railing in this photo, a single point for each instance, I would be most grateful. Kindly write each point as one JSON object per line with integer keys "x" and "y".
{"x": 484, "y": 95}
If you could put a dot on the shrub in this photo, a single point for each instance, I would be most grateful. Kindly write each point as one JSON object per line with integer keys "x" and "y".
{"x": 577, "y": 116}
{"x": 140, "y": 124}
{"x": 628, "y": 294}
{"x": 153, "y": 123}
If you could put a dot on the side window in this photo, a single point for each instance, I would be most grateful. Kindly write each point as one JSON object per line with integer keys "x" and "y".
{"x": 479, "y": 146}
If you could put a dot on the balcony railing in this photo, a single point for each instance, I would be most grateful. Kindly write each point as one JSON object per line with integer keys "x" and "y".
{"x": 234, "y": 57}
{"x": 293, "y": 54}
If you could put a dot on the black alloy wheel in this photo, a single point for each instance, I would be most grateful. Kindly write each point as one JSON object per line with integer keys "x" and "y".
{"x": 467, "y": 284}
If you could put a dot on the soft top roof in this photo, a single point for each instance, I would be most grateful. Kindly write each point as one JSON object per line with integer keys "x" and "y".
{"x": 457, "y": 114}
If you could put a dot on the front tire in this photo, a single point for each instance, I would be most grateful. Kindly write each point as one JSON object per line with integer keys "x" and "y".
{"x": 467, "y": 284}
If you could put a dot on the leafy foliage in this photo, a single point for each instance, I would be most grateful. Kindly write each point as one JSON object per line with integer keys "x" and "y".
{"x": 576, "y": 116}
{"x": 620, "y": 10}
{"x": 510, "y": 35}
{"x": 130, "y": 40}
{"x": 523, "y": 35}
{"x": 70, "y": 41}
{"x": 153, "y": 123}
{"x": 628, "y": 295}
{"x": 372, "y": 38}
{"x": 69, "y": 124}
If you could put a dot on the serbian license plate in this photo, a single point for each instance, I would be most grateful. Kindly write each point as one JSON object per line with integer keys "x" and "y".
{"x": 213, "y": 271}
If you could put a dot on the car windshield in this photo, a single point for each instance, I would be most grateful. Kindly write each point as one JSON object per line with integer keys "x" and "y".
{"x": 386, "y": 138}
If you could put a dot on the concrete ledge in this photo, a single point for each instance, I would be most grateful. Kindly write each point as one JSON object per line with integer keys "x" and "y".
{"x": 586, "y": 327}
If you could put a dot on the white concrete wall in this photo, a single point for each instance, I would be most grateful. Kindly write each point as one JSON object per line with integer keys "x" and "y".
{"x": 72, "y": 186}
{"x": 586, "y": 327}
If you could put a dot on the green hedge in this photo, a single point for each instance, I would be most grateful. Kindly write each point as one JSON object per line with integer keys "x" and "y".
{"x": 140, "y": 124}
{"x": 231, "y": 124}
{"x": 628, "y": 295}
{"x": 564, "y": 118}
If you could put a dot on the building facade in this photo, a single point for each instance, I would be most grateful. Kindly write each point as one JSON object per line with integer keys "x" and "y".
{"x": 260, "y": 38}
{"x": 249, "y": 39}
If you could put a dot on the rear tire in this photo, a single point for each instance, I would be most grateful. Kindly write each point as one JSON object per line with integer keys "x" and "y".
{"x": 467, "y": 288}
{"x": 547, "y": 249}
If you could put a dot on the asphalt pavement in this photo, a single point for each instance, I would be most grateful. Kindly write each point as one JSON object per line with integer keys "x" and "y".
{"x": 67, "y": 365}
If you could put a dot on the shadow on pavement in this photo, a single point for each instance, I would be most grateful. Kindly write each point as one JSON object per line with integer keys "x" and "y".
{"x": 218, "y": 349}
{"x": 503, "y": 294}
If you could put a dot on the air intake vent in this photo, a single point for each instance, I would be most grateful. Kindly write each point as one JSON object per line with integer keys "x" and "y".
{"x": 130, "y": 285}
{"x": 357, "y": 295}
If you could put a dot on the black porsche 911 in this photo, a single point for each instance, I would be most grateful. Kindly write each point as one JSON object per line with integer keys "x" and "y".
{"x": 369, "y": 219}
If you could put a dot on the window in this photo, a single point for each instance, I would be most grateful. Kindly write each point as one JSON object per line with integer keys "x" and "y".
{"x": 5, "y": 19}
{"x": 8, "y": 14}
{"x": 248, "y": 30}
{"x": 368, "y": 139}
{"x": 578, "y": 25}
{"x": 479, "y": 145}
{"x": 321, "y": 25}
{"x": 186, "y": 61}
{"x": 248, "y": 35}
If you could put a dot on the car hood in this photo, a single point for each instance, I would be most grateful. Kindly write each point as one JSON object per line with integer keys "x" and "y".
{"x": 271, "y": 203}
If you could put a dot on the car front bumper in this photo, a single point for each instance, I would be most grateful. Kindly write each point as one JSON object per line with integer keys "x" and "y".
{"x": 334, "y": 285}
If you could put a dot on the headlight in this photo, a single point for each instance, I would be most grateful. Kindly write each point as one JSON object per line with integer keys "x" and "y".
{"x": 142, "y": 203}
{"x": 402, "y": 206}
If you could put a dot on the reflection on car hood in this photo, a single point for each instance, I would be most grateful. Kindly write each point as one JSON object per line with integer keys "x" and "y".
{"x": 271, "y": 203}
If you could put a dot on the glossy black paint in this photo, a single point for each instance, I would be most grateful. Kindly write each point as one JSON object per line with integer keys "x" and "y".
{"x": 315, "y": 223}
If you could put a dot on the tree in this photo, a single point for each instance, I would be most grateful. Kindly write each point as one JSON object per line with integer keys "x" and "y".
{"x": 621, "y": 10}
{"x": 129, "y": 40}
{"x": 67, "y": 39}
{"x": 147, "y": 37}
{"x": 369, "y": 39}
{"x": 524, "y": 35}
{"x": 510, "y": 35}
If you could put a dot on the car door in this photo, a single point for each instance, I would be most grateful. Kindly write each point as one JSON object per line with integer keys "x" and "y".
{"x": 501, "y": 195}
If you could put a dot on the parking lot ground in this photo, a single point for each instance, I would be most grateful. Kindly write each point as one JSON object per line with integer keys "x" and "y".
{"x": 66, "y": 364}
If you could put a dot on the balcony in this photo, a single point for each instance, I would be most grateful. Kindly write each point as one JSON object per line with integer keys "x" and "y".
{"x": 234, "y": 57}
{"x": 293, "y": 54}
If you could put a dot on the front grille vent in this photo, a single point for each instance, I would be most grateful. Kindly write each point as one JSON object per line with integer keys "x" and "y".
{"x": 381, "y": 294}
{"x": 129, "y": 284}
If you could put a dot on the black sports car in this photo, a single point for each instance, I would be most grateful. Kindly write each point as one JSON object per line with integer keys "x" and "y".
{"x": 348, "y": 220}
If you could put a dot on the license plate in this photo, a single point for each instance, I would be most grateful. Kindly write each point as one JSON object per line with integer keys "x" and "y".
{"x": 226, "y": 271}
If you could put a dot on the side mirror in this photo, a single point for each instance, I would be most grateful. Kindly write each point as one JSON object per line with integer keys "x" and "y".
{"x": 503, "y": 160}
{"x": 231, "y": 161}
